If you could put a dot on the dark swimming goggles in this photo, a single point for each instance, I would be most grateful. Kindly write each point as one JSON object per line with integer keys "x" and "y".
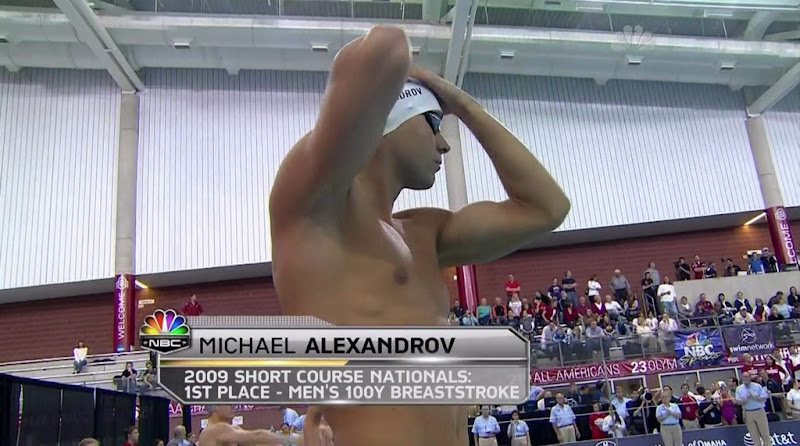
{"x": 434, "y": 120}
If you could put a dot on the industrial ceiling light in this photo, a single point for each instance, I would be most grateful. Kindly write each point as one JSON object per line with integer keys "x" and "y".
{"x": 755, "y": 219}
{"x": 507, "y": 54}
{"x": 319, "y": 47}
{"x": 182, "y": 45}
{"x": 4, "y": 39}
{"x": 589, "y": 7}
{"x": 141, "y": 285}
{"x": 727, "y": 66}
{"x": 633, "y": 59}
{"x": 415, "y": 50}
{"x": 718, "y": 13}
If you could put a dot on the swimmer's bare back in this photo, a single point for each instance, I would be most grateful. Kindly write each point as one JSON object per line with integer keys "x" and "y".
{"x": 223, "y": 434}
{"x": 341, "y": 255}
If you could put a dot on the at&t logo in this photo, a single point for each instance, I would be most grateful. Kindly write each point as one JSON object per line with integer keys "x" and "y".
{"x": 786, "y": 439}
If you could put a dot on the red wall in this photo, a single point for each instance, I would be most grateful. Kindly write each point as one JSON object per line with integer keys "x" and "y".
{"x": 50, "y": 328}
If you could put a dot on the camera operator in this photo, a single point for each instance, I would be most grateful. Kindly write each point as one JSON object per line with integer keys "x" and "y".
{"x": 710, "y": 411}
{"x": 642, "y": 412}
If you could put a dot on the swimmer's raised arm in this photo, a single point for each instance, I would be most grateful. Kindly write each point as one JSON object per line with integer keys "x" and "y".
{"x": 367, "y": 76}
{"x": 484, "y": 231}
{"x": 228, "y": 434}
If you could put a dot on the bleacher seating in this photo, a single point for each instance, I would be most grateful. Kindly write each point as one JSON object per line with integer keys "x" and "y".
{"x": 98, "y": 373}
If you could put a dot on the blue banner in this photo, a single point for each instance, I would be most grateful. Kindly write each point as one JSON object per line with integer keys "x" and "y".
{"x": 699, "y": 348}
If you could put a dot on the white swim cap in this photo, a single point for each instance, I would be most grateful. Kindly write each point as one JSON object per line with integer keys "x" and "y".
{"x": 415, "y": 99}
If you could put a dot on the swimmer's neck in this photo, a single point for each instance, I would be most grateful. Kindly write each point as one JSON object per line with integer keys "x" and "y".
{"x": 380, "y": 186}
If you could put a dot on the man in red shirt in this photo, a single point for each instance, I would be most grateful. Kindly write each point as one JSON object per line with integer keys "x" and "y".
{"x": 698, "y": 267}
{"x": 689, "y": 408}
{"x": 512, "y": 286}
{"x": 193, "y": 307}
{"x": 131, "y": 436}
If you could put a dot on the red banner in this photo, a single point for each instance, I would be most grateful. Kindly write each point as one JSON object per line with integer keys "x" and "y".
{"x": 609, "y": 370}
{"x": 781, "y": 235}
{"x": 124, "y": 313}
{"x": 467, "y": 281}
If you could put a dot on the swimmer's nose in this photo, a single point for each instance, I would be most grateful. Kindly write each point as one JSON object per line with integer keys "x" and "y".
{"x": 441, "y": 144}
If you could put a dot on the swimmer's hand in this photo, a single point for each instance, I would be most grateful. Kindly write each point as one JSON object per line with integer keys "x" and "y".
{"x": 453, "y": 99}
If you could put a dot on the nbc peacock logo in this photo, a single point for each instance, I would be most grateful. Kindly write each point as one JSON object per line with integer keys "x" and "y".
{"x": 165, "y": 332}
{"x": 633, "y": 39}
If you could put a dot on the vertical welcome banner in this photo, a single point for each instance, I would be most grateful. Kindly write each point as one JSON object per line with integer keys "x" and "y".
{"x": 699, "y": 348}
{"x": 124, "y": 313}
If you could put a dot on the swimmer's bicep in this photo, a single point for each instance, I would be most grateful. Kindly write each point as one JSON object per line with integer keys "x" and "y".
{"x": 365, "y": 80}
{"x": 485, "y": 231}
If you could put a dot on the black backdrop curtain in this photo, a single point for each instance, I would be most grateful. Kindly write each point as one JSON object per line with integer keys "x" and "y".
{"x": 153, "y": 420}
{"x": 77, "y": 415}
{"x": 114, "y": 412}
{"x": 41, "y": 414}
{"x": 9, "y": 419}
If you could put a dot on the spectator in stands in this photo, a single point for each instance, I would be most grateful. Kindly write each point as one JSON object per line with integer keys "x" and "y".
{"x": 550, "y": 312}
{"x": 599, "y": 306}
{"x": 636, "y": 410}
{"x": 760, "y": 312}
{"x": 793, "y": 401}
{"x": 669, "y": 417}
{"x": 727, "y": 308}
{"x": 666, "y": 332}
{"x": 755, "y": 265}
{"x": 514, "y": 309}
{"x": 596, "y": 422}
{"x": 192, "y": 437}
{"x": 554, "y": 291}
{"x": 684, "y": 309}
{"x": 593, "y": 288}
{"x": 703, "y": 307}
{"x": 666, "y": 295}
{"x": 89, "y": 442}
{"x": 698, "y": 267}
{"x": 582, "y": 306}
{"x": 743, "y": 317}
{"x": 710, "y": 272}
{"x": 652, "y": 322}
{"x": 632, "y": 309}
{"x": 452, "y": 319}
{"x": 527, "y": 326}
{"x": 484, "y": 311}
{"x": 613, "y": 308}
{"x": 298, "y": 424}
{"x": 728, "y": 405}
{"x": 547, "y": 339}
{"x": 769, "y": 260}
{"x": 79, "y": 355}
{"x": 149, "y": 376}
{"x": 485, "y": 428}
{"x": 512, "y": 286}
{"x": 742, "y": 301}
{"x": 620, "y": 285}
{"x": 193, "y": 307}
{"x": 469, "y": 319}
{"x": 793, "y": 298}
{"x": 289, "y": 416}
{"x": 179, "y": 437}
{"x": 682, "y": 270}
{"x": 654, "y": 274}
{"x": 782, "y": 309}
{"x": 649, "y": 289}
{"x": 127, "y": 379}
{"x": 620, "y": 401}
{"x": 614, "y": 424}
{"x": 518, "y": 431}
{"x": 774, "y": 299}
{"x": 731, "y": 269}
{"x": 793, "y": 362}
{"x": 689, "y": 409}
{"x": 499, "y": 312}
{"x": 710, "y": 411}
{"x": 158, "y": 442}
{"x": 563, "y": 420}
{"x": 570, "y": 315}
{"x": 645, "y": 333}
{"x": 131, "y": 436}
{"x": 752, "y": 397}
{"x": 596, "y": 338}
{"x": 542, "y": 403}
{"x": 458, "y": 310}
{"x": 568, "y": 286}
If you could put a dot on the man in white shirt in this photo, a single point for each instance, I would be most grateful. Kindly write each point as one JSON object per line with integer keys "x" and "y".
{"x": 666, "y": 331}
{"x": 485, "y": 428}
{"x": 793, "y": 401}
{"x": 548, "y": 344}
{"x": 752, "y": 397}
{"x": 743, "y": 317}
{"x": 620, "y": 402}
{"x": 666, "y": 294}
{"x": 563, "y": 420}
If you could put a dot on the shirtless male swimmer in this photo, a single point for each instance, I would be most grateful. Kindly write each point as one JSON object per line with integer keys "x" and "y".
{"x": 220, "y": 432}
{"x": 338, "y": 252}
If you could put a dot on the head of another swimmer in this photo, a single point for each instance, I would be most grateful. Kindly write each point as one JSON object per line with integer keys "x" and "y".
{"x": 224, "y": 413}
{"x": 411, "y": 137}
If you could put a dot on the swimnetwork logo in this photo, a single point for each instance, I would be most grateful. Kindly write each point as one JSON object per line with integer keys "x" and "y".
{"x": 633, "y": 39}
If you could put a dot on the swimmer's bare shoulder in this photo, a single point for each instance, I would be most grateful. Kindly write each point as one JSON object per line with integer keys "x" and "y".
{"x": 223, "y": 434}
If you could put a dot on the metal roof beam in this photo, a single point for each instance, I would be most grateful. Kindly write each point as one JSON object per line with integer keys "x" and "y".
{"x": 92, "y": 33}
{"x": 758, "y": 24}
{"x": 461, "y": 29}
{"x": 775, "y": 93}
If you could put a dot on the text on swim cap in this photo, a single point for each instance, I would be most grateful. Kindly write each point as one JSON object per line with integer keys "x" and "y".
{"x": 410, "y": 92}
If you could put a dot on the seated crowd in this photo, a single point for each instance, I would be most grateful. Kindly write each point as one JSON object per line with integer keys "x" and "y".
{"x": 596, "y": 413}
